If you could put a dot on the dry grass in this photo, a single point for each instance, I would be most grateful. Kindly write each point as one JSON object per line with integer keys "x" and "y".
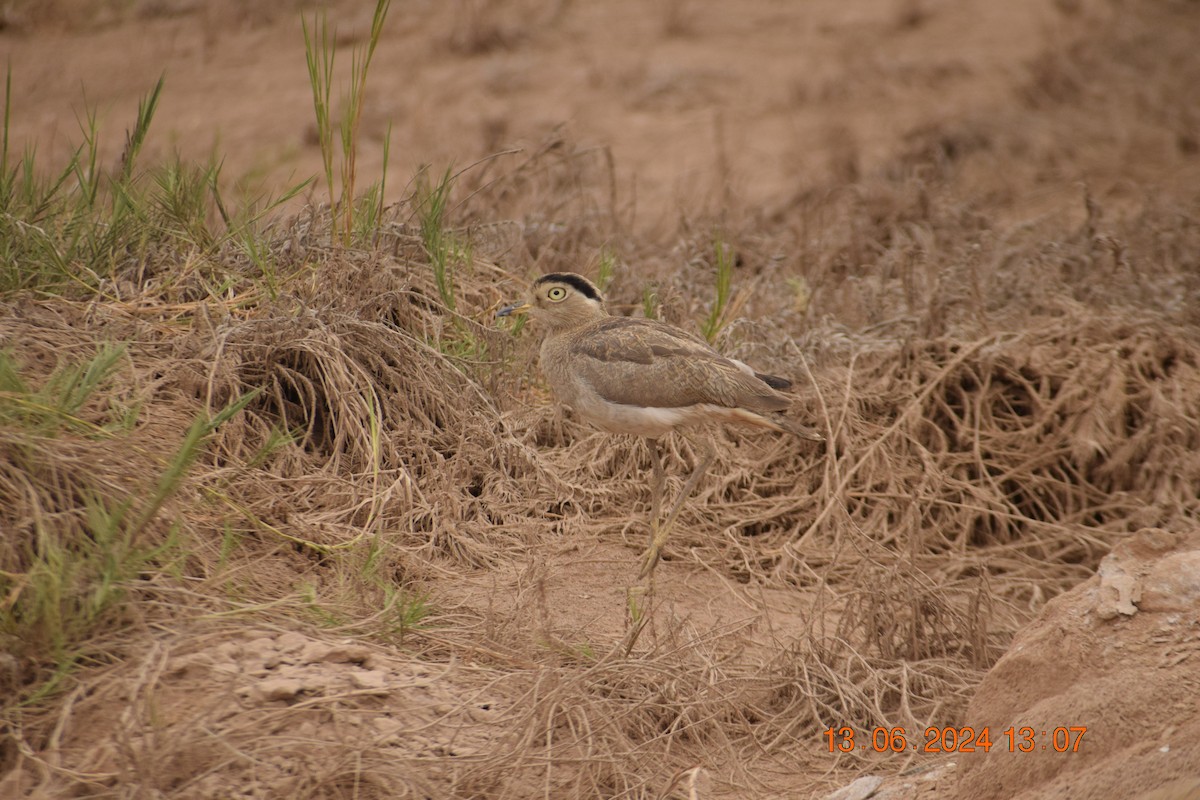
{"x": 1003, "y": 401}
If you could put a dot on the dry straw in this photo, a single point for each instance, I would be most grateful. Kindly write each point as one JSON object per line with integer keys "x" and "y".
{"x": 1002, "y": 403}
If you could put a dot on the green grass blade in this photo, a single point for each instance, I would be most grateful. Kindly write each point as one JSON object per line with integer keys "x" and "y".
{"x": 715, "y": 321}
{"x": 137, "y": 137}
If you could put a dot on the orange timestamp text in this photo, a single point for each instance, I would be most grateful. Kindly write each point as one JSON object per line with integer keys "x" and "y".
{"x": 936, "y": 739}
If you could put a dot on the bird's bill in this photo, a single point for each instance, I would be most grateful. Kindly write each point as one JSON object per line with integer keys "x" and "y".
{"x": 515, "y": 308}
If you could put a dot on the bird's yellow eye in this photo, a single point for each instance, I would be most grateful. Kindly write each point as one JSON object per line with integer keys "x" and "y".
{"x": 556, "y": 293}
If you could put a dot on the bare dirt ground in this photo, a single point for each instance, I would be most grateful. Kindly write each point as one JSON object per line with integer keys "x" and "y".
{"x": 971, "y": 231}
{"x": 693, "y": 100}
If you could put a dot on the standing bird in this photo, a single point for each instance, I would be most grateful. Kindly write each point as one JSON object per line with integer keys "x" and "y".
{"x": 646, "y": 378}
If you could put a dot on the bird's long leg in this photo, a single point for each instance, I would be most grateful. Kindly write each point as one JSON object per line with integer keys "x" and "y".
{"x": 660, "y": 534}
{"x": 658, "y": 478}
{"x": 639, "y": 600}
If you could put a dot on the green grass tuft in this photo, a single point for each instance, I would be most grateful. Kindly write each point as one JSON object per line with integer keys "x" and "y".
{"x": 54, "y": 407}
{"x": 718, "y": 314}
{"x": 69, "y": 575}
{"x": 81, "y": 229}
{"x": 352, "y": 216}
{"x": 446, "y": 250}
{"x": 650, "y": 302}
{"x": 606, "y": 270}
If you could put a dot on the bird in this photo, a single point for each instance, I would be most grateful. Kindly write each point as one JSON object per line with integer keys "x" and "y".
{"x": 645, "y": 377}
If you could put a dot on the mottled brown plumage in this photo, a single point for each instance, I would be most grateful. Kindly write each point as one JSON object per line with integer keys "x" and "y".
{"x": 645, "y": 377}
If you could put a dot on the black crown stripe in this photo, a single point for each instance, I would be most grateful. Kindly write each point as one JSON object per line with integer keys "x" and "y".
{"x": 577, "y": 282}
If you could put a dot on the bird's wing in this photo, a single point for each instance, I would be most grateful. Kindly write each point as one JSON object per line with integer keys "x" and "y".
{"x": 651, "y": 364}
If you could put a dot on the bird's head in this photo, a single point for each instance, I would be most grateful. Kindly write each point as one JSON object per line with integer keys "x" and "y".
{"x": 561, "y": 300}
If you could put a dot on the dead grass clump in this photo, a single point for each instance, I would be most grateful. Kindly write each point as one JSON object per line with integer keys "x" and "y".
{"x": 1083, "y": 422}
{"x": 819, "y": 684}
{"x": 365, "y": 376}
{"x": 88, "y": 488}
{"x": 610, "y": 726}
{"x": 966, "y": 481}
{"x": 69, "y": 547}
{"x": 206, "y": 705}
{"x": 367, "y": 445}
{"x": 1012, "y": 438}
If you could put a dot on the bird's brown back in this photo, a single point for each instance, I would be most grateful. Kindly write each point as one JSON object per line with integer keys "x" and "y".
{"x": 648, "y": 363}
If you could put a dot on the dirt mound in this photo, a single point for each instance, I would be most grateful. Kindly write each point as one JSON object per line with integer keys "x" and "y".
{"x": 1104, "y": 680}
{"x": 260, "y": 709}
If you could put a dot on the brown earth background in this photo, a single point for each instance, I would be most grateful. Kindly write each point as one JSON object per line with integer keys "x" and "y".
{"x": 968, "y": 229}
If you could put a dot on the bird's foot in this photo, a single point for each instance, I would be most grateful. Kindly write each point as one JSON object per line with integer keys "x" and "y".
{"x": 649, "y": 562}
{"x": 658, "y": 540}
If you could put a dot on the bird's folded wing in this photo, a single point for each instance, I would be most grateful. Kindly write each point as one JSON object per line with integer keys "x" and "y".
{"x": 649, "y": 364}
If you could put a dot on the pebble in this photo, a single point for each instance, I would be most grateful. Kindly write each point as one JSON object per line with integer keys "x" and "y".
{"x": 291, "y": 642}
{"x": 279, "y": 688}
{"x": 861, "y": 789}
{"x": 374, "y": 680}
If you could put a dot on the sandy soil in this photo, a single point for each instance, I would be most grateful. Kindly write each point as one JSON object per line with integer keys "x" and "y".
{"x": 692, "y": 100}
{"x": 709, "y": 110}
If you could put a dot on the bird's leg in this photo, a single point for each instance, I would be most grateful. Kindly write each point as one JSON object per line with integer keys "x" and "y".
{"x": 705, "y": 461}
{"x": 639, "y": 600}
{"x": 658, "y": 478}
{"x": 661, "y": 532}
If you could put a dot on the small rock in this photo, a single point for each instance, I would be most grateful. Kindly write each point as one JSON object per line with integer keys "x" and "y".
{"x": 1149, "y": 543}
{"x": 939, "y": 772}
{"x": 1173, "y": 583}
{"x": 291, "y": 642}
{"x": 257, "y": 649}
{"x": 902, "y": 791}
{"x": 347, "y": 653}
{"x": 227, "y": 651}
{"x": 193, "y": 664}
{"x": 861, "y": 789}
{"x": 279, "y": 688}
{"x": 373, "y": 680}
{"x": 313, "y": 652}
{"x": 387, "y": 726}
{"x": 1119, "y": 591}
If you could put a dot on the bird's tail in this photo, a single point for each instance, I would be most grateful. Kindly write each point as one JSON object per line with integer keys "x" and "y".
{"x": 774, "y": 381}
{"x": 787, "y": 424}
{"x": 775, "y": 420}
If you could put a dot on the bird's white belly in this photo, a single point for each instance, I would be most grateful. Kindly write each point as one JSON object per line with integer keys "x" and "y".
{"x": 636, "y": 420}
{"x": 652, "y": 422}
